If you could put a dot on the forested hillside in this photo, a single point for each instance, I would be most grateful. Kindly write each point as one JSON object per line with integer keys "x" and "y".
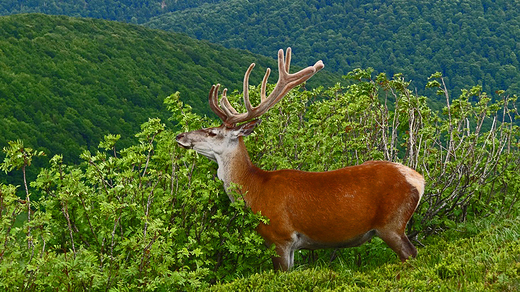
{"x": 67, "y": 82}
{"x": 134, "y": 11}
{"x": 470, "y": 42}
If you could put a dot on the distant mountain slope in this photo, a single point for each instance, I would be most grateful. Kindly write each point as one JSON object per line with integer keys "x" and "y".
{"x": 66, "y": 82}
{"x": 133, "y": 11}
{"x": 469, "y": 41}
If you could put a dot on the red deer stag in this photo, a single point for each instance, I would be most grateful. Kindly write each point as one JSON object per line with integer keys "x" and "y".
{"x": 308, "y": 210}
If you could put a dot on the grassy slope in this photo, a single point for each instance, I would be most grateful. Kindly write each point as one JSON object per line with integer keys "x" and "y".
{"x": 476, "y": 257}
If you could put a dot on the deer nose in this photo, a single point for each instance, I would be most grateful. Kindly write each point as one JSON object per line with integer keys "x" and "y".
{"x": 180, "y": 136}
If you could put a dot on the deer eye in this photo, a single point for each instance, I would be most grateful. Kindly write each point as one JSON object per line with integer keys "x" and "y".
{"x": 211, "y": 133}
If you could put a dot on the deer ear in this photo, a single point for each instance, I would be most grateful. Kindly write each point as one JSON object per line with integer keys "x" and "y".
{"x": 247, "y": 128}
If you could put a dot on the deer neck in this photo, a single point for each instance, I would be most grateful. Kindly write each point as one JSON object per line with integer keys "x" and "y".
{"x": 235, "y": 168}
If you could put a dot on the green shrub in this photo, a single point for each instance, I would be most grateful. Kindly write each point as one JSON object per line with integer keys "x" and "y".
{"x": 153, "y": 216}
{"x": 144, "y": 217}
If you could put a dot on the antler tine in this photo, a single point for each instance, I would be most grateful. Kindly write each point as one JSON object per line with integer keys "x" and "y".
{"x": 247, "y": 103}
{"x": 213, "y": 102}
{"x": 264, "y": 85}
{"x": 287, "y": 58}
{"x": 226, "y": 106}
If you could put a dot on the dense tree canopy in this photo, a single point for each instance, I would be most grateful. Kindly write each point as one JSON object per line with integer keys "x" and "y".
{"x": 134, "y": 11}
{"x": 470, "y": 42}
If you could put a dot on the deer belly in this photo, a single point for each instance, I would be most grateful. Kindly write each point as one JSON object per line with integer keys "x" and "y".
{"x": 302, "y": 241}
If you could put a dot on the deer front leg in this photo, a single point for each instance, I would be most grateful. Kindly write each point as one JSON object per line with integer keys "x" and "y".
{"x": 283, "y": 238}
{"x": 285, "y": 259}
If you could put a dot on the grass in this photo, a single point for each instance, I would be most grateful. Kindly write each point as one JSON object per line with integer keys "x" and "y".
{"x": 478, "y": 256}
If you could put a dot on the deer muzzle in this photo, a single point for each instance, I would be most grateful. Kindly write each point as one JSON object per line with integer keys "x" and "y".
{"x": 181, "y": 140}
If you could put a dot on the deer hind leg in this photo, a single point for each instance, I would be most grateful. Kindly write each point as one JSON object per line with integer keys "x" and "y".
{"x": 400, "y": 244}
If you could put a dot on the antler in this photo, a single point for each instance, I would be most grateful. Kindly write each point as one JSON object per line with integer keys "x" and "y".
{"x": 286, "y": 81}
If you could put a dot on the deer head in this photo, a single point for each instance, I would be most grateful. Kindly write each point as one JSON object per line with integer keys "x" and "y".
{"x": 217, "y": 141}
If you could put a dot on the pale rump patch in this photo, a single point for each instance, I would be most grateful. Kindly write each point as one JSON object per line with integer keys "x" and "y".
{"x": 413, "y": 178}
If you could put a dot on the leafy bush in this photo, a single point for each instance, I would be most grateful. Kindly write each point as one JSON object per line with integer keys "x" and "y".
{"x": 154, "y": 216}
{"x": 148, "y": 216}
